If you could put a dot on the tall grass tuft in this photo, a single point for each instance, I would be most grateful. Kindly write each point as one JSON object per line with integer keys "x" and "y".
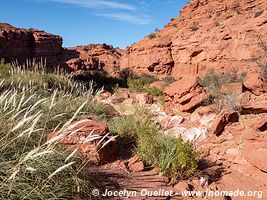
{"x": 34, "y": 103}
{"x": 172, "y": 156}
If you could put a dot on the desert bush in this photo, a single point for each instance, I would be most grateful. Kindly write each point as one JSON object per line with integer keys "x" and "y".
{"x": 263, "y": 65}
{"x": 217, "y": 23}
{"x": 264, "y": 72}
{"x": 135, "y": 84}
{"x": 168, "y": 80}
{"x": 152, "y": 36}
{"x": 139, "y": 84}
{"x": 147, "y": 79}
{"x": 258, "y": 13}
{"x": 172, "y": 156}
{"x": 231, "y": 101}
{"x": 194, "y": 27}
{"x": 126, "y": 73}
{"x": 213, "y": 82}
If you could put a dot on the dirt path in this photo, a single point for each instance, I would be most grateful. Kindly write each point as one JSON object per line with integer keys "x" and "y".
{"x": 115, "y": 178}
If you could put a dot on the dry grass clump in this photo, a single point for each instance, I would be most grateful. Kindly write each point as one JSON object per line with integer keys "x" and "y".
{"x": 30, "y": 166}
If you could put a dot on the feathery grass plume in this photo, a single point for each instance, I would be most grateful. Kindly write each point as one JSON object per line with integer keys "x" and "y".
{"x": 60, "y": 169}
{"x": 34, "y": 101}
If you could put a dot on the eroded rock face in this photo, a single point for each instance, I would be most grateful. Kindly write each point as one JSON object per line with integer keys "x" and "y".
{"x": 93, "y": 57}
{"x": 22, "y": 44}
{"x": 224, "y": 35}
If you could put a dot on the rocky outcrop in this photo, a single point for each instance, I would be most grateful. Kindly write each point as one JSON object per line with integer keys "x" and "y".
{"x": 252, "y": 104}
{"x": 221, "y": 120}
{"x": 21, "y": 44}
{"x": 93, "y": 57}
{"x": 224, "y": 35}
{"x": 88, "y": 138}
{"x": 255, "y": 84}
{"x": 184, "y": 95}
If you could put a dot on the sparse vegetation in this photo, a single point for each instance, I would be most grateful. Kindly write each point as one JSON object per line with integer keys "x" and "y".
{"x": 168, "y": 80}
{"x": 194, "y": 27}
{"x": 218, "y": 14}
{"x": 217, "y": 23}
{"x": 152, "y": 36}
{"x": 213, "y": 82}
{"x": 263, "y": 65}
{"x": 258, "y": 13}
{"x": 172, "y": 156}
{"x": 139, "y": 84}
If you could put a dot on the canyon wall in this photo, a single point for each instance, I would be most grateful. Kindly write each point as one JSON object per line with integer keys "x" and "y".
{"x": 224, "y": 35}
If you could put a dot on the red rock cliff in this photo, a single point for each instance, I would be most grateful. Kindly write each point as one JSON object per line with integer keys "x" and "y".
{"x": 21, "y": 44}
{"x": 220, "y": 34}
{"x": 24, "y": 44}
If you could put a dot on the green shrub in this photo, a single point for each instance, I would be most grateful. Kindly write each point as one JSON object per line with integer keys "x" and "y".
{"x": 154, "y": 91}
{"x": 139, "y": 84}
{"x": 258, "y": 13}
{"x": 169, "y": 80}
{"x": 135, "y": 84}
{"x": 147, "y": 79}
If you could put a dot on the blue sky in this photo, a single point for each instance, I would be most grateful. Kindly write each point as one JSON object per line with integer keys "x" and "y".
{"x": 82, "y": 22}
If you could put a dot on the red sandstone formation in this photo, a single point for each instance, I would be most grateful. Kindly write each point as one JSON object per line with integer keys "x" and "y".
{"x": 225, "y": 35}
{"x": 93, "y": 57}
{"x": 78, "y": 135}
{"x": 22, "y": 44}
